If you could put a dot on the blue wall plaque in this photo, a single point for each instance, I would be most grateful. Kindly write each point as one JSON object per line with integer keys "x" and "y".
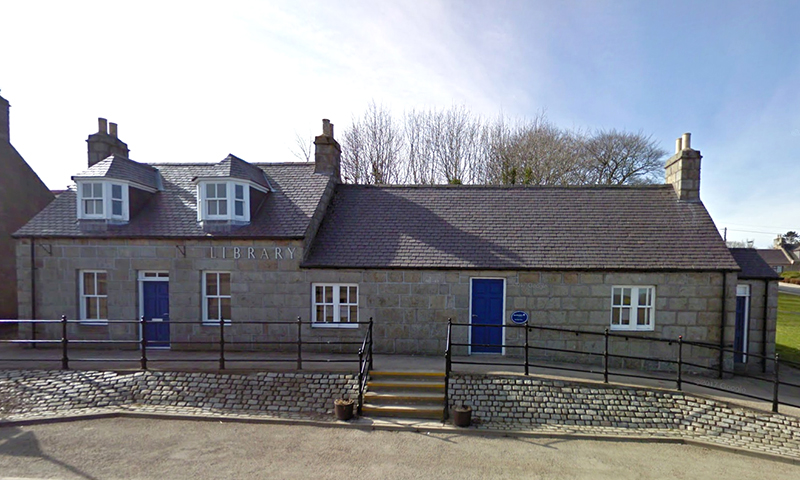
{"x": 519, "y": 317}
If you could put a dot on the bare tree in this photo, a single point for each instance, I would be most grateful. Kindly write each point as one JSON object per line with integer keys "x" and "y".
{"x": 371, "y": 148}
{"x": 618, "y": 158}
{"x": 303, "y": 148}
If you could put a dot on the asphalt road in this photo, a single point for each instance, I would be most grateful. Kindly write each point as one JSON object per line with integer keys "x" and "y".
{"x": 166, "y": 449}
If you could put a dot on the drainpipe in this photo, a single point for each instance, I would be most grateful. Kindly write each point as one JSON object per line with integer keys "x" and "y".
{"x": 764, "y": 329}
{"x": 33, "y": 290}
{"x": 722, "y": 322}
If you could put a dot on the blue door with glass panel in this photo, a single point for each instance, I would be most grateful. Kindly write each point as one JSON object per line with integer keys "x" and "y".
{"x": 156, "y": 313}
{"x": 487, "y": 315}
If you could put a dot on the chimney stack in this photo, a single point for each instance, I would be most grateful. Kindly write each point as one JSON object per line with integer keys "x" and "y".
{"x": 683, "y": 170}
{"x": 327, "y": 152}
{"x": 5, "y": 135}
{"x": 105, "y": 143}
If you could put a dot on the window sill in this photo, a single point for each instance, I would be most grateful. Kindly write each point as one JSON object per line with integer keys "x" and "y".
{"x": 334, "y": 325}
{"x": 94, "y": 323}
{"x": 207, "y": 323}
{"x": 617, "y": 328}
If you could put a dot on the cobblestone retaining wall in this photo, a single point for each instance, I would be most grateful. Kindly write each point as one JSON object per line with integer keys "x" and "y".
{"x": 29, "y": 392}
{"x": 500, "y": 400}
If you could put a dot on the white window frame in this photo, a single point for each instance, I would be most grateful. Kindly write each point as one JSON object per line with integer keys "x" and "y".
{"x": 634, "y": 308}
{"x": 106, "y": 200}
{"x": 336, "y": 305}
{"x": 230, "y": 201}
{"x": 83, "y": 296}
{"x": 89, "y": 187}
{"x": 206, "y": 297}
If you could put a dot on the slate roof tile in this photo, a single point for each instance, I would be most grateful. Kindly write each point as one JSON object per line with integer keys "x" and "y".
{"x": 495, "y": 227}
{"x": 121, "y": 168}
{"x": 753, "y": 265}
{"x": 172, "y": 212}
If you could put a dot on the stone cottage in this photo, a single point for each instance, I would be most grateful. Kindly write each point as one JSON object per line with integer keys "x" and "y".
{"x": 22, "y": 195}
{"x": 238, "y": 242}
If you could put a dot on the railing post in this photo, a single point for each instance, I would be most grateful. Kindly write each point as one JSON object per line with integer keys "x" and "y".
{"x": 775, "y": 383}
{"x": 143, "y": 326}
{"x": 527, "y": 370}
{"x": 447, "y": 366}
{"x": 299, "y": 343}
{"x": 360, "y": 380}
{"x": 370, "y": 345}
{"x": 605, "y": 355}
{"x": 680, "y": 362}
{"x": 222, "y": 344}
{"x": 64, "y": 344}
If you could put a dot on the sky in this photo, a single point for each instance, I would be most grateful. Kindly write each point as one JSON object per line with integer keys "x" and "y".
{"x": 194, "y": 81}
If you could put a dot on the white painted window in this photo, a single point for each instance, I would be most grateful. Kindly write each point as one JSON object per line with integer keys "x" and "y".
{"x": 92, "y": 200}
{"x": 93, "y": 296}
{"x": 220, "y": 200}
{"x": 334, "y": 305}
{"x": 216, "y": 200}
{"x": 632, "y": 307}
{"x": 216, "y": 297}
{"x": 103, "y": 200}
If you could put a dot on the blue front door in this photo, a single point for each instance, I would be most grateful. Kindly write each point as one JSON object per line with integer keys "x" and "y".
{"x": 487, "y": 316}
{"x": 156, "y": 313}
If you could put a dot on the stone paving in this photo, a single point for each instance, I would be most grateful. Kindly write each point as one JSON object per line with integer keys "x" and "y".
{"x": 31, "y": 395}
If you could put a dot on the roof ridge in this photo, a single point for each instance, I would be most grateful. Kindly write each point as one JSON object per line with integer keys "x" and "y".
{"x": 509, "y": 187}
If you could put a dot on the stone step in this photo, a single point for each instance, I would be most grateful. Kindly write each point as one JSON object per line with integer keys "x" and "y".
{"x": 402, "y": 411}
{"x": 409, "y": 386}
{"x": 384, "y": 375}
{"x": 404, "y": 398}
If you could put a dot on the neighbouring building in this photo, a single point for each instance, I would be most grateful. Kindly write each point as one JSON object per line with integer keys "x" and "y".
{"x": 196, "y": 244}
{"x": 783, "y": 257}
{"x": 22, "y": 195}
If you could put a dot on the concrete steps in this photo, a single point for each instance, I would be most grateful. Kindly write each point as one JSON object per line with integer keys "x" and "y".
{"x": 404, "y": 395}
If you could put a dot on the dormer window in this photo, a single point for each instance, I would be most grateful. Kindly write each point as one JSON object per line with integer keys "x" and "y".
{"x": 103, "y": 201}
{"x": 228, "y": 200}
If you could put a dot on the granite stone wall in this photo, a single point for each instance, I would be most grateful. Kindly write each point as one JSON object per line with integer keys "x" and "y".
{"x": 31, "y": 392}
{"x": 410, "y": 307}
{"x": 499, "y": 400}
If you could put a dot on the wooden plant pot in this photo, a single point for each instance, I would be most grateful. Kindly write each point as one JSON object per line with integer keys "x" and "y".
{"x": 462, "y": 416}
{"x": 343, "y": 408}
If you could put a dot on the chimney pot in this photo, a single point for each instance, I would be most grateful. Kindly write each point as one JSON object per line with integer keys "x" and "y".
{"x": 678, "y": 145}
{"x": 102, "y": 125}
{"x": 327, "y": 128}
{"x": 112, "y": 129}
{"x": 687, "y": 140}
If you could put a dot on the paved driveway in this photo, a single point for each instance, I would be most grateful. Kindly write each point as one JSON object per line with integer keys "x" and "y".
{"x": 165, "y": 449}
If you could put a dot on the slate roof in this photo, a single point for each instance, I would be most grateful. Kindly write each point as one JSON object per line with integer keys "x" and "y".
{"x": 490, "y": 227}
{"x": 172, "y": 212}
{"x": 121, "y": 168}
{"x": 774, "y": 256}
{"x": 753, "y": 265}
{"x": 235, "y": 167}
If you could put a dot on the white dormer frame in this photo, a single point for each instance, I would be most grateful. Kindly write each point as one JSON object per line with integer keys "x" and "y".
{"x": 236, "y": 198}
{"x": 104, "y": 195}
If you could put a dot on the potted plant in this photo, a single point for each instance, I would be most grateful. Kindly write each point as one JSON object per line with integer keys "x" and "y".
{"x": 462, "y": 416}
{"x": 343, "y": 408}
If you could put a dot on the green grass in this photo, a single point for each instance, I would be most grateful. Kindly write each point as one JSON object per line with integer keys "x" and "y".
{"x": 788, "y": 334}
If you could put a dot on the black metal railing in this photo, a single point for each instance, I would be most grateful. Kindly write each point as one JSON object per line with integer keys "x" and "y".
{"x": 679, "y": 361}
{"x": 364, "y": 365}
{"x": 71, "y": 351}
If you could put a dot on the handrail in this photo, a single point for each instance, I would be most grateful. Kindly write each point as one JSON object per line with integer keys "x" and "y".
{"x": 679, "y": 360}
{"x": 447, "y": 367}
{"x": 364, "y": 366}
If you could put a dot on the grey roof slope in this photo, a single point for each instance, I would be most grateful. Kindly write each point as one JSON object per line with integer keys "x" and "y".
{"x": 753, "y": 265}
{"x": 774, "y": 256}
{"x": 172, "y": 212}
{"x": 121, "y": 168}
{"x": 234, "y": 167}
{"x": 488, "y": 227}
